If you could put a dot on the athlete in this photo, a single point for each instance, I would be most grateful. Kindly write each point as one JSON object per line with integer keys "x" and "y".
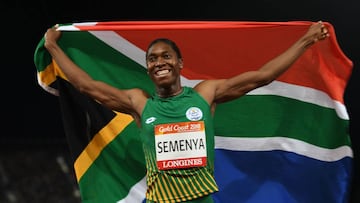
{"x": 176, "y": 122}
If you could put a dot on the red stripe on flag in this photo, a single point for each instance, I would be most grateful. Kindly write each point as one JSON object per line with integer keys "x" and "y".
{"x": 224, "y": 49}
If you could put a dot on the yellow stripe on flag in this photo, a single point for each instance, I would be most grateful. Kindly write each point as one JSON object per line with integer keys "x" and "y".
{"x": 99, "y": 142}
{"x": 48, "y": 75}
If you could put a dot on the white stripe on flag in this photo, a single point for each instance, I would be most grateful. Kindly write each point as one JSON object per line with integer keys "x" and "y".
{"x": 136, "y": 193}
{"x": 282, "y": 143}
{"x": 122, "y": 45}
{"x": 305, "y": 94}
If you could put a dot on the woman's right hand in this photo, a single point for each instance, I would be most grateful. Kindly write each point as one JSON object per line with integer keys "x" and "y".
{"x": 51, "y": 36}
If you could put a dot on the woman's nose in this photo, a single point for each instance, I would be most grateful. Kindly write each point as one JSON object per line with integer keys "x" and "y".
{"x": 159, "y": 62}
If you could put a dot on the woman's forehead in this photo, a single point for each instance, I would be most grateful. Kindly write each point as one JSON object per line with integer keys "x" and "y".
{"x": 160, "y": 47}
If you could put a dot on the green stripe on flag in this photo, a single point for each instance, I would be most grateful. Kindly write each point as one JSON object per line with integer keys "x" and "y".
{"x": 100, "y": 183}
{"x": 116, "y": 69}
{"x": 275, "y": 116}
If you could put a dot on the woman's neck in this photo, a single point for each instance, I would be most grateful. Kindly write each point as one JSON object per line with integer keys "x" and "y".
{"x": 169, "y": 92}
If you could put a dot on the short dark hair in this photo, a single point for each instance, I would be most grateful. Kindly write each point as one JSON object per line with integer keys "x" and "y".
{"x": 171, "y": 43}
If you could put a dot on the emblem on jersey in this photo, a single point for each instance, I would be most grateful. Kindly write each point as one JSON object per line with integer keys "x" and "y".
{"x": 194, "y": 114}
{"x": 150, "y": 120}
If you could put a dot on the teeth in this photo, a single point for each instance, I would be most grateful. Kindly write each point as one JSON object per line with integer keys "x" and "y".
{"x": 162, "y": 72}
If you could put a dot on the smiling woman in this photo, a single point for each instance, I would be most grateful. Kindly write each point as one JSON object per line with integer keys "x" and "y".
{"x": 175, "y": 121}
{"x": 164, "y": 62}
{"x": 40, "y": 118}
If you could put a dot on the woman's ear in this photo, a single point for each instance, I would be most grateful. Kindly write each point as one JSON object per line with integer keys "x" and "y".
{"x": 181, "y": 63}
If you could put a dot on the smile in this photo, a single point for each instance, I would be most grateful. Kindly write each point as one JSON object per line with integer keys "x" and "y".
{"x": 162, "y": 72}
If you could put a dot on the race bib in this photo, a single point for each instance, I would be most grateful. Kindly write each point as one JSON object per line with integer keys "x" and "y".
{"x": 180, "y": 145}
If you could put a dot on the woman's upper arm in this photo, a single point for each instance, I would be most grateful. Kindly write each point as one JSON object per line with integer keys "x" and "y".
{"x": 122, "y": 100}
{"x": 208, "y": 89}
{"x": 224, "y": 90}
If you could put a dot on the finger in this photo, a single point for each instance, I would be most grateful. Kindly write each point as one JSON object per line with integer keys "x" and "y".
{"x": 320, "y": 23}
{"x": 56, "y": 26}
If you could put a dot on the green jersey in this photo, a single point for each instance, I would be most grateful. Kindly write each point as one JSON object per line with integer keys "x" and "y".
{"x": 178, "y": 138}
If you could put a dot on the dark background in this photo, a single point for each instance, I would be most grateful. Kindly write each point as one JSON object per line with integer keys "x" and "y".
{"x": 34, "y": 159}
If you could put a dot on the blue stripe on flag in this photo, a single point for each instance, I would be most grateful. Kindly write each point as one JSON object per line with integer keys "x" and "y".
{"x": 279, "y": 176}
